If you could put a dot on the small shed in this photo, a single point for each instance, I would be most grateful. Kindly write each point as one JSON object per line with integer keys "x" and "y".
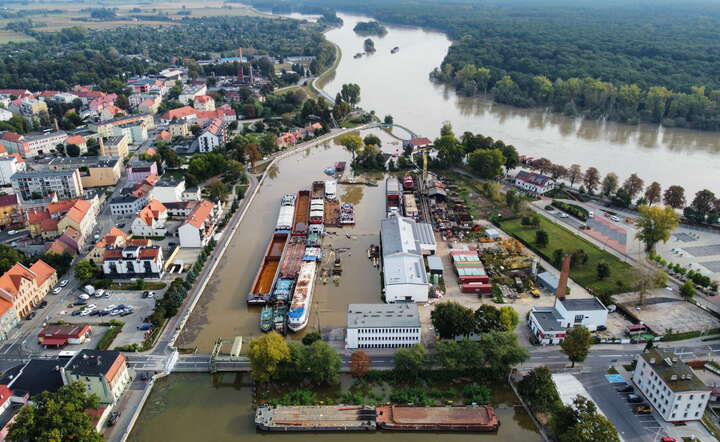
{"x": 435, "y": 265}
{"x": 548, "y": 281}
{"x": 492, "y": 233}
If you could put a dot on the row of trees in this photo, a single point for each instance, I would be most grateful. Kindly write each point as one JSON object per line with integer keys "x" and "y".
{"x": 452, "y": 320}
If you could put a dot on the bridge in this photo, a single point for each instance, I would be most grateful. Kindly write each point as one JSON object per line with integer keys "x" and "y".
{"x": 391, "y": 125}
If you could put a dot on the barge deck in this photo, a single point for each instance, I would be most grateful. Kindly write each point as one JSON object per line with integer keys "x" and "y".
{"x": 405, "y": 418}
{"x": 302, "y": 213}
{"x": 265, "y": 278}
{"x": 315, "y": 418}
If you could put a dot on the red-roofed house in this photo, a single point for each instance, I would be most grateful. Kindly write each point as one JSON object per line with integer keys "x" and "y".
{"x": 181, "y": 113}
{"x": 534, "y": 182}
{"x": 81, "y": 217}
{"x": 163, "y": 136}
{"x": 133, "y": 262}
{"x": 417, "y": 143}
{"x": 113, "y": 239}
{"x": 199, "y": 227}
{"x": 79, "y": 141}
{"x": 214, "y": 135}
{"x": 204, "y": 103}
{"x": 151, "y": 220}
{"x": 25, "y": 287}
{"x": 110, "y": 111}
{"x": 8, "y": 319}
{"x": 59, "y": 335}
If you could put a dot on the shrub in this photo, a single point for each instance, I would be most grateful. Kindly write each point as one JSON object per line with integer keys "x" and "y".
{"x": 572, "y": 209}
{"x": 478, "y": 394}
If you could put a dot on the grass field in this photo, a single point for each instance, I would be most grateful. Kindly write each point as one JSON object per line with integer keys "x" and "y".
{"x": 11, "y": 36}
{"x": 620, "y": 278}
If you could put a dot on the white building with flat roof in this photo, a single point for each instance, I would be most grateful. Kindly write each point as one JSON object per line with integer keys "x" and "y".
{"x": 671, "y": 386}
{"x": 382, "y": 326}
{"x": 549, "y": 324}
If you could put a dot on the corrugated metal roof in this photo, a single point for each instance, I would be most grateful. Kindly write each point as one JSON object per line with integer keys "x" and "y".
{"x": 383, "y": 315}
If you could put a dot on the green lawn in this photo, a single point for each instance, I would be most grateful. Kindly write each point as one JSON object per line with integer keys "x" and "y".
{"x": 620, "y": 278}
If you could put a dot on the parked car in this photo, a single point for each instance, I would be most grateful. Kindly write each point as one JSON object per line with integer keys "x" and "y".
{"x": 607, "y": 215}
{"x": 113, "y": 418}
{"x": 76, "y": 312}
{"x": 100, "y": 293}
{"x": 564, "y": 215}
{"x": 30, "y": 316}
{"x": 549, "y": 208}
{"x": 83, "y": 296}
{"x": 12, "y": 232}
{"x": 668, "y": 439}
{"x": 615, "y": 218}
{"x": 624, "y": 388}
{"x": 591, "y": 214}
{"x": 144, "y": 327}
{"x": 634, "y": 399}
{"x": 126, "y": 312}
{"x": 42, "y": 304}
{"x": 64, "y": 282}
{"x": 80, "y": 302}
{"x": 57, "y": 290}
{"x": 601, "y": 328}
{"x": 643, "y": 409}
{"x": 121, "y": 225}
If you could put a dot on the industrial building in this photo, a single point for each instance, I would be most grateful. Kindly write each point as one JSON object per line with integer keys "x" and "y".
{"x": 549, "y": 324}
{"x": 382, "y": 326}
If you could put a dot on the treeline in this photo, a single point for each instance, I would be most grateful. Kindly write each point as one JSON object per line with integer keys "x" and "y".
{"x": 370, "y": 28}
{"x": 58, "y": 60}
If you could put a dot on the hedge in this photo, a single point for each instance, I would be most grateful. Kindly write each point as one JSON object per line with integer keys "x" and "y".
{"x": 572, "y": 209}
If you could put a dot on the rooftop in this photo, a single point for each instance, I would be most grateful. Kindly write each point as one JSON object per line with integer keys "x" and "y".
{"x": 170, "y": 181}
{"x": 678, "y": 376}
{"x": 92, "y": 362}
{"x": 585, "y": 304}
{"x": 383, "y": 315}
{"x": 36, "y": 376}
{"x": 114, "y": 141}
{"x": 84, "y": 161}
{"x": 43, "y": 174}
{"x": 548, "y": 318}
{"x": 533, "y": 178}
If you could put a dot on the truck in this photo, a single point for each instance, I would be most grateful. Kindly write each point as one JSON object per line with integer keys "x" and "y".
{"x": 90, "y": 290}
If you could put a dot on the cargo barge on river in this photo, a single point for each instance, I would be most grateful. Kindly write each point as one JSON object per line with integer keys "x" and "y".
{"x": 299, "y": 312}
{"x": 367, "y": 418}
{"x": 302, "y": 212}
{"x": 265, "y": 278}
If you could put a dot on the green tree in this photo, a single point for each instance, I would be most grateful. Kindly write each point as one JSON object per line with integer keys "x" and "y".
{"x": 409, "y": 362}
{"x": 322, "y": 363}
{"x": 72, "y": 150}
{"x": 581, "y": 422}
{"x": 541, "y": 238}
{"x": 476, "y": 394}
{"x": 217, "y": 190}
{"x": 687, "y": 290}
{"x": 311, "y": 337}
{"x": 653, "y": 193}
{"x": 487, "y": 164}
{"x": 674, "y": 197}
{"x": 538, "y": 390}
{"x": 609, "y": 184}
{"x": 451, "y": 319}
{"x": 633, "y": 185}
{"x": 9, "y": 257}
{"x": 487, "y": 319}
{"x": 266, "y": 354}
{"x": 58, "y": 416}
{"x": 655, "y": 224}
{"x": 352, "y": 143}
{"x": 85, "y": 270}
{"x": 372, "y": 139}
{"x": 603, "y": 270}
{"x": 388, "y": 119}
{"x": 591, "y": 179}
{"x": 450, "y": 151}
{"x": 576, "y": 344}
{"x": 509, "y": 318}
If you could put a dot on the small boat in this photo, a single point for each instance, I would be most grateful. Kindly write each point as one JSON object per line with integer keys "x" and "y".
{"x": 280, "y": 319}
{"x": 358, "y": 55}
{"x": 329, "y": 171}
{"x": 347, "y": 214}
{"x": 266, "y": 319}
{"x": 395, "y": 50}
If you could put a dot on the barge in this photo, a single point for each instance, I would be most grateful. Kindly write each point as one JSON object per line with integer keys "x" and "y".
{"x": 315, "y": 418}
{"x": 347, "y": 214}
{"x": 393, "y": 196}
{"x": 299, "y": 312}
{"x": 317, "y": 211}
{"x": 318, "y": 190}
{"x": 265, "y": 278}
{"x": 466, "y": 418}
{"x": 330, "y": 189}
{"x": 302, "y": 212}
{"x": 266, "y": 319}
{"x": 286, "y": 215}
{"x": 292, "y": 259}
{"x": 332, "y": 213}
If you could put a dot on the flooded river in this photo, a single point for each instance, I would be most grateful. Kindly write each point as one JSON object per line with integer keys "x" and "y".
{"x": 398, "y": 84}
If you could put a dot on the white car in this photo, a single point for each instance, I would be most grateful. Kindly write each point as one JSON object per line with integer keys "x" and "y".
{"x": 110, "y": 307}
{"x": 90, "y": 307}
{"x": 64, "y": 282}
{"x": 85, "y": 312}
{"x": 83, "y": 296}
{"x": 591, "y": 214}
{"x": 57, "y": 290}
{"x": 100, "y": 293}
{"x": 615, "y": 218}
{"x": 12, "y": 232}
{"x": 564, "y": 215}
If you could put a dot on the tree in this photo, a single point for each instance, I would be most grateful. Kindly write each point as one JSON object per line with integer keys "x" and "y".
{"x": 576, "y": 344}
{"x": 647, "y": 279}
{"x": 609, "y": 184}
{"x": 487, "y": 164}
{"x": 541, "y": 238}
{"x": 591, "y": 179}
{"x": 266, "y": 354}
{"x": 655, "y": 224}
{"x": 687, "y": 290}
{"x": 217, "y": 190}
{"x": 574, "y": 174}
{"x": 512, "y": 159}
{"x": 634, "y": 185}
{"x": 9, "y": 257}
{"x": 72, "y": 150}
{"x": 476, "y": 394}
{"x": 451, "y": 319}
{"x": 372, "y": 139}
{"x": 674, "y": 197}
{"x": 253, "y": 153}
{"x": 58, "y": 416}
{"x": 487, "y": 319}
{"x": 653, "y": 193}
{"x": 580, "y": 422}
{"x": 85, "y": 270}
{"x": 388, "y": 119}
{"x": 603, "y": 270}
{"x": 450, "y": 151}
{"x": 311, "y": 337}
{"x": 352, "y": 143}
{"x": 703, "y": 203}
{"x": 538, "y": 390}
{"x": 409, "y": 362}
{"x": 359, "y": 363}
{"x": 322, "y": 363}
{"x": 509, "y": 318}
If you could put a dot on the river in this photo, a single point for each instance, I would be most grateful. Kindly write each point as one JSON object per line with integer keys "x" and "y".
{"x": 398, "y": 84}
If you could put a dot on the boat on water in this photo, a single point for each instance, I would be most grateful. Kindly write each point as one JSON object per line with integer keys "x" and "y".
{"x": 329, "y": 171}
{"x": 330, "y": 189}
{"x": 347, "y": 214}
{"x": 358, "y": 55}
{"x": 315, "y": 234}
{"x": 299, "y": 312}
{"x": 340, "y": 166}
{"x": 265, "y": 278}
{"x": 393, "y": 196}
{"x": 287, "y": 214}
{"x": 318, "y": 190}
{"x": 395, "y": 50}
{"x": 266, "y": 319}
{"x": 317, "y": 211}
{"x": 280, "y": 318}
{"x": 302, "y": 212}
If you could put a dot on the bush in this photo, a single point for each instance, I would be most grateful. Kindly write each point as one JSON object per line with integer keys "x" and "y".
{"x": 478, "y": 394}
{"x": 572, "y": 209}
{"x": 110, "y": 336}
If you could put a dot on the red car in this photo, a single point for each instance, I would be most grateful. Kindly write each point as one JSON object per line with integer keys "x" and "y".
{"x": 607, "y": 215}
{"x": 668, "y": 439}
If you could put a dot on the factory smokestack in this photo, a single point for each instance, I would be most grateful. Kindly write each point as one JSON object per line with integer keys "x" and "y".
{"x": 564, "y": 274}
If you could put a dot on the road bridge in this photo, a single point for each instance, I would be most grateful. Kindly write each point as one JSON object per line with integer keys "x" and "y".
{"x": 391, "y": 125}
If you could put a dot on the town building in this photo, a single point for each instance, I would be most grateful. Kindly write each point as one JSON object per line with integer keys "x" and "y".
{"x": 66, "y": 184}
{"x": 204, "y": 103}
{"x": 213, "y": 136}
{"x": 192, "y": 194}
{"x": 534, "y": 183}
{"x": 79, "y": 141}
{"x": 94, "y": 171}
{"x": 25, "y": 287}
{"x": 9, "y": 166}
{"x": 382, "y": 326}
{"x": 199, "y": 227}
{"x": 417, "y": 143}
{"x": 404, "y": 242}
{"x": 104, "y": 372}
{"x": 150, "y": 221}
{"x": 82, "y": 218}
{"x": 186, "y": 113}
{"x": 8, "y": 318}
{"x": 110, "y": 112}
{"x": 105, "y": 128}
{"x": 31, "y": 146}
{"x": 189, "y": 93}
{"x": 169, "y": 189}
{"x": 31, "y": 108}
{"x": 136, "y": 133}
{"x": 114, "y": 239}
{"x": 60, "y": 335}
{"x": 10, "y": 213}
{"x": 150, "y": 105}
{"x": 116, "y": 146}
{"x": 549, "y": 324}
{"x": 670, "y": 386}
{"x": 137, "y": 171}
{"x": 132, "y": 262}
{"x": 5, "y": 115}
{"x": 181, "y": 209}
{"x": 127, "y": 204}
{"x": 179, "y": 128}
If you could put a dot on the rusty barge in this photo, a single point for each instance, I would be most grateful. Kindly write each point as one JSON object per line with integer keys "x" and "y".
{"x": 302, "y": 213}
{"x": 315, "y": 418}
{"x": 467, "y": 418}
{"x": 265, "y": 278}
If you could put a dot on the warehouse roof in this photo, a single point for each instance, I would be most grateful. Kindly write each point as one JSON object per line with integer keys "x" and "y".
{"x": 383, "y": 315}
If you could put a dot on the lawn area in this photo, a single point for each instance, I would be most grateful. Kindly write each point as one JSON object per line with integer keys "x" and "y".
{"x": 16, "y": 37}
{"x": 560, "y": 238}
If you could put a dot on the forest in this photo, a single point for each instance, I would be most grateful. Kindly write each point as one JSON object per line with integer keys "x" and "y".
{"x": 58, "y": 60}
{"x": 646, "y": 61}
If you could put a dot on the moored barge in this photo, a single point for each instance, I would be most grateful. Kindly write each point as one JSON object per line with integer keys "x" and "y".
{"x": 299, "y": 312}
{"x": 265, "y": 278}
{"x": 466, "y": 418}
{"x": 315, "y": 418}
{"x": 302, "y": 212}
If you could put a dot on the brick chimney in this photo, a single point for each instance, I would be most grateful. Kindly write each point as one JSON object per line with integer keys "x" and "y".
{"x": 564, "y": 274}
{"x": 102, "y": 147}
{"x": 55, "y": 125}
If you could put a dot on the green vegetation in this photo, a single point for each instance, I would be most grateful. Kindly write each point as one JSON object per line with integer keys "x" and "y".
{"x": 572, "y": 209}
{"x": 585, "y": 274}
{"x": 115, "y": 327}
{"x": 451, "y": 319}
{"x": 58, "y": 416}
{"x": 148, "y": 285}
{"x": 538, "y": 390}
{"x": 655, "y": 224}
{"x": 582, "y": 422}
{"x": 576, "y": 344}
{"x": 370, "y": 28}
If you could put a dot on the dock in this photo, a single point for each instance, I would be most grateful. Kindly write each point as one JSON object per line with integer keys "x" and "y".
{"x": 315, "y": 418}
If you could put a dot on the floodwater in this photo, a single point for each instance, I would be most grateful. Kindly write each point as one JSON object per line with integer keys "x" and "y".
{"x": 220, "y": 409}
{"x": 398, "y": 84}
{"x": 222, "y": 310}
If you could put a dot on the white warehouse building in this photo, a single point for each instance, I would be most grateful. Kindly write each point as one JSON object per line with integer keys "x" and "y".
{"x": 671, "y": 386}
{"x": 549, "y": 324}
{"x": 382, "y": 326}
{"x": 403, "y": 243}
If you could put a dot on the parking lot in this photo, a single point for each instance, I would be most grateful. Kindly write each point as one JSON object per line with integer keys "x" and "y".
{"x": 664, "y": 309}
